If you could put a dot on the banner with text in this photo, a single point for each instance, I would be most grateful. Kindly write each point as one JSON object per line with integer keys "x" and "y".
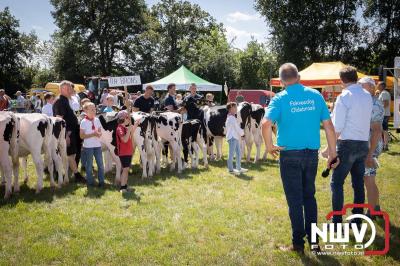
{"x": 124, "y": 81}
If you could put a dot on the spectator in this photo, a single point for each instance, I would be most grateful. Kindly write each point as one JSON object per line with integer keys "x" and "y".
{"x": 21, "y": 102}
{"x": 385, "y": 98}
{"x": 47, "y": 109}
{"x": 145, "y": 102}
{"x": 62, "y": 108}
{"x": 104, "y": 97}
{"x": 74, "y": 100}
{"x": 233, "y": 135}
{"x": 90, "y": 132}
{"x": 193, "y": 97}
{"x": 109, "y": 104}
{"x": 351, "y": 118}
{"x": 178, "y": 99}
{"x": 375, "y": 145}
{"x": 298, "y": 107}
{"x": 210, "y": 99}
{"x": 5, "y": 101}
{"x": 170, "y": 102}
{"x": 80, "y": 153}
{"x": 125, "y": 134}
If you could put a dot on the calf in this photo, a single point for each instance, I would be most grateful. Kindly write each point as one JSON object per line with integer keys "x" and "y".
{"x": 250, "y": 116}
{"x": 58, "y": 149}
{"x": 215, "y": 118}
{"x": 35, "y": 133}
{"x": 9, "y": 127}
{"x": 192, "y": 141}
{"x": 169, "y": 129}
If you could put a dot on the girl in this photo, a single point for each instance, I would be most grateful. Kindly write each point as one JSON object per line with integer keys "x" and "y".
{"x": 125, "y": 131}
{"x": 234, "y": 134}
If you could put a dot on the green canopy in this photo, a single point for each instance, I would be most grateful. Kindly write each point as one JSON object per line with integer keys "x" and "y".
{"x": 183, "y": 78}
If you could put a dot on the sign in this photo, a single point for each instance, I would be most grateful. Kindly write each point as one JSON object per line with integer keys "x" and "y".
{"x": 124, "y": 81}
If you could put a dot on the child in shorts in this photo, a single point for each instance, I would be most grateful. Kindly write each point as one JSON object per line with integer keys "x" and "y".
{"x": 125, "y": 131}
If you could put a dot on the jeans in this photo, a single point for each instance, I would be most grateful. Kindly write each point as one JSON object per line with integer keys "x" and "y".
{"x": 234, "y": 148}
{"x": 83, "y": 158}
{"x": 89, "y": 153}
{"x": 298, "y": 170}
{"x": 352, "y": 155}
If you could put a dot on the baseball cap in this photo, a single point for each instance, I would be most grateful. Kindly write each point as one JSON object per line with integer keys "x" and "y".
{"x": 367, "y": 80}
{"x": 122, "y": 114}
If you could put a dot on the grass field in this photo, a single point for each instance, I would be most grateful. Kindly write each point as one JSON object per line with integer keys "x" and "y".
{"x": 200, "y": 217}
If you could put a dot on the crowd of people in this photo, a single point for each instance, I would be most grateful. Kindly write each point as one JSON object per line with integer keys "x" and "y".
{"x": 353, "y": 131}
{"x": 356, "y": 133}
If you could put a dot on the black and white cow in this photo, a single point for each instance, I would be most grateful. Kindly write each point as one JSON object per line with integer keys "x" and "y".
{"x": 143, "y": 140}
{"x": 192, "y": 141}
{"x": 58, "y": 149}
{"x": 215, "y": 118}
{"x": 35, "y": 138}
{"x": 9, "y": 127}
{"x": 169, "y": 129}
{"x": 250, "y": 116}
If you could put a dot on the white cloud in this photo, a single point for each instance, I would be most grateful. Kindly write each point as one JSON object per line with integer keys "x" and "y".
{"x": 37, "y": 28}
{"x": 239, "y": 16}
{"x": 241, "y": 37}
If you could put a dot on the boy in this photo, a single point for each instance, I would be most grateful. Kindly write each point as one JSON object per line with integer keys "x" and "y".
{"x": 47, "y": 109}
{"x": 125, "y": 132}
{"x": 233, "y": 134}
{"x": 109, "y": 104}
{"x": 90, "y": 132}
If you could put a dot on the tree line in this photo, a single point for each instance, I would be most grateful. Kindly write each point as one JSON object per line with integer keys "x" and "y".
{"x": 106, "y": 37}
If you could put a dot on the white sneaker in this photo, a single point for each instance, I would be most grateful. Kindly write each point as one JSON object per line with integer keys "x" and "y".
{"x": 243, "y": 170}
{"x": 236, "y": 172}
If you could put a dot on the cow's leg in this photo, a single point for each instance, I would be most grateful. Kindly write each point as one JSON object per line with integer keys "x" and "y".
{"x": 210, "y": 147}
{"x": 258, "y": 142}
{"x": 37, "y": 160}
{"x": 107, "y": 161}
{"x": 186, "y": 148}
{"x": 6, "y": 171}
{"x": 177, "y": 155}
{"x": 203, "y": 147}
{"x": 143, "y": 156}
{"x": 24, "y": 165}
{"x": 157, "y": 153}
{"x": 15, "y": 163}
{"x": 218, "y": 143}
{"x": 196, "y": 149}
{"x": 249, "y": 146}
{"x": 50, "y": 163}
{"x": 59, "y": 167}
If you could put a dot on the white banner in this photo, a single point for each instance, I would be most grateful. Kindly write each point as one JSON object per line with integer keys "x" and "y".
{"x": 124, "y": 81}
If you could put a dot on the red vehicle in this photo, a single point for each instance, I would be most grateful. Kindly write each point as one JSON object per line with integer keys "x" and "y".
{"x": 262, "y": 97}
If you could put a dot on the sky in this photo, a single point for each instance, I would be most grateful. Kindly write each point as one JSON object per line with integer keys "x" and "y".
{"x": 239, "y": 17}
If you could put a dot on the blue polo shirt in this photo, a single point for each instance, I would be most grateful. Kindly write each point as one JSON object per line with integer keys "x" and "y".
{"x": 298, "y": 112}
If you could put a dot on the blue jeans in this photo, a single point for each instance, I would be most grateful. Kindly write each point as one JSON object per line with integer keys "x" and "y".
{"x": 83, "y": 158}
{"x": 234, "y": 148}
{"x": 298, "y": 170}
{"x": 352, "y": 155}
{"x": 89, "y": 153}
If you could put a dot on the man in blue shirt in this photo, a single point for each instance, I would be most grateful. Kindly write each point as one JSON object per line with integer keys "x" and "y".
{"x": 298, "y": 112}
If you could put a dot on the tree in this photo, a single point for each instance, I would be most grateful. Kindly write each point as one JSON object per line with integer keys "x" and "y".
{"x": 15, "y": 50}
{"x": 180, "y": 25}
{"x": 384, "y": 23}
{"x": 103, "y": 27}
{"x": 311, "y": 30}
{"x": 256, "y": 66}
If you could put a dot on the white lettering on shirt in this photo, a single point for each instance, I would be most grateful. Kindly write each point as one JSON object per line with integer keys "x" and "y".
{"x": 302, "y": 106}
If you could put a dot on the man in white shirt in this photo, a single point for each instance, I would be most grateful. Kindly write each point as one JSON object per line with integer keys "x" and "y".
{"x": 47, "y": 109}
{"x": 351, "y": 118}
{"x": 385, "y": 98}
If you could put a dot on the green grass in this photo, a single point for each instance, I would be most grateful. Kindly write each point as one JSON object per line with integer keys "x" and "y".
{"x": 200, "y": 217}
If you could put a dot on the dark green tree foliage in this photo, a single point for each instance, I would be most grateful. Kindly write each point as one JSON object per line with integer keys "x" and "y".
{"x": 102, "y": 28}
{"x": 180, "y": 25}
{"x": 312, "y": 30}
{"x": 15, "y": 50}
{"x": 384, "y": 24}
{"x": 256, "y": 66}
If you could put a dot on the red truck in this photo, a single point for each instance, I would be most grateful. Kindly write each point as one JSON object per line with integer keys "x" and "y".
{"x": 262, "y": 97}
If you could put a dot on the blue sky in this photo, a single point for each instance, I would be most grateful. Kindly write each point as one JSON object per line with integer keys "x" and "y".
{"x": 238, "y": 16}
